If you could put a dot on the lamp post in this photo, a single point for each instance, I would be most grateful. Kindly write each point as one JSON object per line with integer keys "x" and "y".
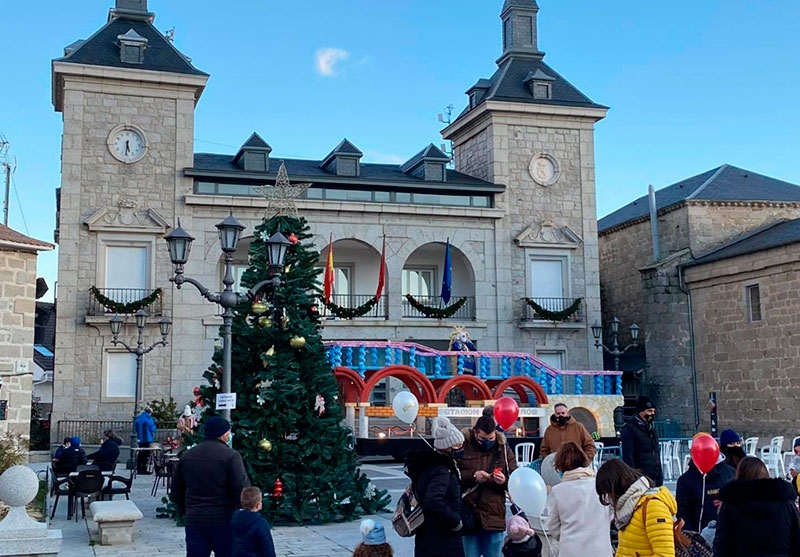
{"x": 230, "y": 230}
{"x": 116, "y": 326}
{"x": 615, "y": 350}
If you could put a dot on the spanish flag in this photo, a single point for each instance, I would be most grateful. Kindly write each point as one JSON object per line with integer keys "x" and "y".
{"x": 381, "y": 270}
{"x": 327, "y": 287}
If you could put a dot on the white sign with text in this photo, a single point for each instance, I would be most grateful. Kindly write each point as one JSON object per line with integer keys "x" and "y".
{"x": 226, "y": 401}
{"x": 477, "y": 412}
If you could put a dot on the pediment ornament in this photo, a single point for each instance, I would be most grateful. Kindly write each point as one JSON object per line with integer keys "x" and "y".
{"x": 126, "y": 217}
{"x": 547, "y": 234}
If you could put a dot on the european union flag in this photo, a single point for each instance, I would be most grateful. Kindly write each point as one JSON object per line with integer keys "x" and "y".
{"x": 447, "y": 277}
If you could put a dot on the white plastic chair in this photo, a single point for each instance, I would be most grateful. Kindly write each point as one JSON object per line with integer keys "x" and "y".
{"x": 688, "y": 458}
{"x": 666, "y": 458}
{"x": 524, "y": 453}
{"x": 750, "y": 446}
{"x": 676, "y": 456}
{"x": 772, "y": 455}
{"x": 598, "y": 455}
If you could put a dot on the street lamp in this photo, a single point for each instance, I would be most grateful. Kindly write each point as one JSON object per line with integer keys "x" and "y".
{"x": 141, "y": 321}
{"x": 597, "y": 333}
{"x": 230, "y": 231}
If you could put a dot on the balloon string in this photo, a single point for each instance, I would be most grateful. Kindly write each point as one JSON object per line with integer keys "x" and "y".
{"x": 702, "y": 505}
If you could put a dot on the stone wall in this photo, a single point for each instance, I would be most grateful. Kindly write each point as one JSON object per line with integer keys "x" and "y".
{"x": 17, "y": 314}
{"x": 753, "y": 366}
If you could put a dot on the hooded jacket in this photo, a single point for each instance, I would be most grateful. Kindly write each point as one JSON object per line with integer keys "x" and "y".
{"x": 434, "y": 477}
{"x": 757, "y": 519}
{"x": 145, "y": 427}
{"x": 689, "y": 494}
{"x": 106, "y": 456}
{"x": 491, "y": 509}
{"x": 733, "y": 455}
{"x": 573, "y": 430}
{"x": 640, "y": 448}
{"x": 71, "y": 457}
{"x": 251, "y": 535}
{"x": 655, "y": 538}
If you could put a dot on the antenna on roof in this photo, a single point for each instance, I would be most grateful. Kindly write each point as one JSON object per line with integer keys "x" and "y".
{"x": 170, "y": 34}
{"x": 446, "y": 118}
{"x": 7, "y": 162}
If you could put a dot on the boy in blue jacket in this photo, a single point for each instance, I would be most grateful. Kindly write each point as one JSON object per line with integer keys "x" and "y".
{"x": 251, "y": 535}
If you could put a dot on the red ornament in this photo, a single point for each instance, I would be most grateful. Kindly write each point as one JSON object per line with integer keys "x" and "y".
{"x": 278, "y": 490}
{"x": 506, "y": 411}
{"x": 705, "y": 452}
{"x": 314, "y": 309}
{"x": 293, "y": 239}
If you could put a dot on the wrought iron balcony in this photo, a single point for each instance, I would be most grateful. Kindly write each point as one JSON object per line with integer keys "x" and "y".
{"x": 554, "y": 306}
{"x": 466, "y": 311}
{"x": 348, "y": 301}
{"x": 123, "y": 296}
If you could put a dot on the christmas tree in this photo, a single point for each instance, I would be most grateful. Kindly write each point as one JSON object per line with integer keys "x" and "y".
{"x": 287, "y": 422}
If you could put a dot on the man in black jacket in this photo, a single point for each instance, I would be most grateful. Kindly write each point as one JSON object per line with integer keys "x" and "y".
{"x": 206, "y": 486}
{"x": 106, "y": 456}
{"x": 640, "y": 442}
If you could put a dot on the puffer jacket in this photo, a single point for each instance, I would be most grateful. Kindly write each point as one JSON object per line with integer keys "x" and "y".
{"x": 556, "y": 435}
{"x": 655, "y": 538}
{"x": 689, "y": 494}
{"x": 491, "y": 510}
{"x": 640, "y": 449}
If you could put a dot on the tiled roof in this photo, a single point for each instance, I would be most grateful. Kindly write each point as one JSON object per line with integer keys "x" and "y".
{"x": 773, "y": 235}
{"x": 14, "y": 237}
{"x": 101, "y": 49}
{"x": 724, "y": 183}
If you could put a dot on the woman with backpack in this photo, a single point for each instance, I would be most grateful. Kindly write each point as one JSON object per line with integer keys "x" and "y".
{"x": 436, "y": 483}
{"x": 643, "y": 514}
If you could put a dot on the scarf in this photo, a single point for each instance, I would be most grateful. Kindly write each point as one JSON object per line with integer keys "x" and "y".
{"x": 578, "y": 474}
{"x": 623, "y": 510}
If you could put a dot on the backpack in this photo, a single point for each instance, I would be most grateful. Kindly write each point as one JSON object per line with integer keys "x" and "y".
{"x": 687, "y": 544}
{"x": 408, "y": 515}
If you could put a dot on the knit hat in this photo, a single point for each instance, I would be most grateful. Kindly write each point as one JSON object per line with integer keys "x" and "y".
{"x": 216, "y": 427}
{"x": 517, "y": 528}
{"x": 796, "y": 442}
{"x": 728, "y": 437}
{"x": 372, "y": 532}
{"x": 445, "y": 434}
{"x": 644, "y": 403}
{"x": 187, "y": 411}
{"x": 75, "y": 441}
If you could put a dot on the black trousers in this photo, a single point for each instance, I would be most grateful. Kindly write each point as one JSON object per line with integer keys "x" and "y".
{"x": 141, "y": 458}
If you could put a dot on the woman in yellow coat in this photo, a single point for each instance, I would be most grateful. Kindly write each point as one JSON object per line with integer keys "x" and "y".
{"x": 629, "y": 493}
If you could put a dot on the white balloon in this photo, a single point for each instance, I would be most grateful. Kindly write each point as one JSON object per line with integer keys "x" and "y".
{"x": 528, "y": 491}
{"x": 405, "y": 407}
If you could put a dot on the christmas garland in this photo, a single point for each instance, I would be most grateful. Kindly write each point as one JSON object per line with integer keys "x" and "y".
{"x": 438, "y": 313}
{"x": 351, "y": 313}
{"x": 562, "y": 315}
{"x": 130, "y": 307}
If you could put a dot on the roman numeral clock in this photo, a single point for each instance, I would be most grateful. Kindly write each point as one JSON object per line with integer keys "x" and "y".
{"x": 127, "y": 143}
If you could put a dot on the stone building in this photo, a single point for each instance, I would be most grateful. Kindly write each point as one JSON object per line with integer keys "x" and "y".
{"x": 518, "y": 212}
{"x": 17, "y": 309}
{"x": 697, "y": 216}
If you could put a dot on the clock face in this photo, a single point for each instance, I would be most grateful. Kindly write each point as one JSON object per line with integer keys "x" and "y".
{"x": 127, "y": 144}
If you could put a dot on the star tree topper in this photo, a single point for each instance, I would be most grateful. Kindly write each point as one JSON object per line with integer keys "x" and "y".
{"x": 281, "y": 197}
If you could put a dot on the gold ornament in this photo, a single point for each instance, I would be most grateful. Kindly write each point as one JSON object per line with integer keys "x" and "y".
{"x": 265, "y": 322}
{"x": 284, "y": 321}
{"x": 259, "y": 307}
{"x": 271, "y": 351}
{"x": 297, "y": 342}
{"x": 265, "y": 445}
{"x": 287, "y": 269}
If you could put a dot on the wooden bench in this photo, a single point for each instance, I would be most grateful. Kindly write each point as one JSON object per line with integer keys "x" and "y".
{"x": 115, "y": 520}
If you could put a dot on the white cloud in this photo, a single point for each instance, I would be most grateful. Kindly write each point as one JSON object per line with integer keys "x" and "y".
{"x": 326, "y": 59}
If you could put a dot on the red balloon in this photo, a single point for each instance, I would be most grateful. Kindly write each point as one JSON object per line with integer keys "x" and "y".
{"x": 506, "y": 411}
{"x": 705, "y": 452}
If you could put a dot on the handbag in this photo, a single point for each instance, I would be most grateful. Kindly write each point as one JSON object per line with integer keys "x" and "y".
{"x": 687, "y": 543}
{"x": 408, "y": 515}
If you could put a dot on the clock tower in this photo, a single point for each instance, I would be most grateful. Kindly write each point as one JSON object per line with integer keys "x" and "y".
{"x": 127, "y": 97}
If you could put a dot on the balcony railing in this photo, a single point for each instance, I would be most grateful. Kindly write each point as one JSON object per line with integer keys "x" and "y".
{"x": 123, "y": 296}
{"x": 467, "y": 311}
{"x": 554, "y": 305}
{"x": 353, "y": 301}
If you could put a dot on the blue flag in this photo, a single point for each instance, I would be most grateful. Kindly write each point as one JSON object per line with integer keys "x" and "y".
{"x": 447, "y": 277}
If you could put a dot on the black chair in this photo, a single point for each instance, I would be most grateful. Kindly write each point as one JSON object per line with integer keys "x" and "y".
{"x": 82, "y": 467}
{"x": 61, "y": 486}
{"x": 125, "y": 489}
{"x": 162, "y": 471}
{"x": 86, "y": 484}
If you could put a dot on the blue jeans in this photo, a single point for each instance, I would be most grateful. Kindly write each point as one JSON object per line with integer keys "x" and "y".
{"x": 201, "y": 541}
{"x": 483, "y": 543}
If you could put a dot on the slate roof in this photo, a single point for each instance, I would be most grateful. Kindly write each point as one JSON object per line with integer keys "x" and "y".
{"x": 776, "y": 234}
{"x": 302, "y": 170}
{"x": 431, "y": 152}
{"x": 724, "y": 183}
{"x": 529, "y": 4}
{"x": 101, "y": 49}
{"x": 9, "y": 235}
{"x": 255, "y": 140}
{"x": 345, "y": 147}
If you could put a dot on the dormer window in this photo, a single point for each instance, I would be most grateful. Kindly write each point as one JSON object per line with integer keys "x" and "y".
{"x": 344, "y": 160}
{"x": 541, "y": 90}
{"x": 429, "y": 165}
{"x": 131, "y": 47}
{"x": 540, "y": 85}
{"x": 253, "y": 156}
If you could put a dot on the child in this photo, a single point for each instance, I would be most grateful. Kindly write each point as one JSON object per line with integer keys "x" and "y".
{"x": 373, "y": 542}
{"x": 794, "y": 467}
{"x": 521, "y": 540}
{"x": 251, "y": 536}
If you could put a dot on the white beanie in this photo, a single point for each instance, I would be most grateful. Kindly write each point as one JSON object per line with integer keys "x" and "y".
{"x": 445, "y": 434}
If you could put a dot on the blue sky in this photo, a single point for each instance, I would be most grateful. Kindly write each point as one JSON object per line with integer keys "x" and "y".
{"x": 691, "y": 84}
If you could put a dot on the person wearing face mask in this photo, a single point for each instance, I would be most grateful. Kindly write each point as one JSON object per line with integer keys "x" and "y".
{"x": 640, "y": 442}
{"x": 435, "y": 478}
{"x": 563, "y": 428}
{"x": 487, "y": 463}
{"x": 730, "y": 444}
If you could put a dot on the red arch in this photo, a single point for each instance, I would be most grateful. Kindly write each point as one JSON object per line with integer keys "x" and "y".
{"x": 464, "y": 382}
{"x": 420, "y": 386}
{"x": 350, "y": 383}
{"x": 517, "y": 383}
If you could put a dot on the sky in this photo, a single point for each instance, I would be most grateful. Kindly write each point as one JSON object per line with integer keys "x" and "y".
{"x": 690, "y": 84}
